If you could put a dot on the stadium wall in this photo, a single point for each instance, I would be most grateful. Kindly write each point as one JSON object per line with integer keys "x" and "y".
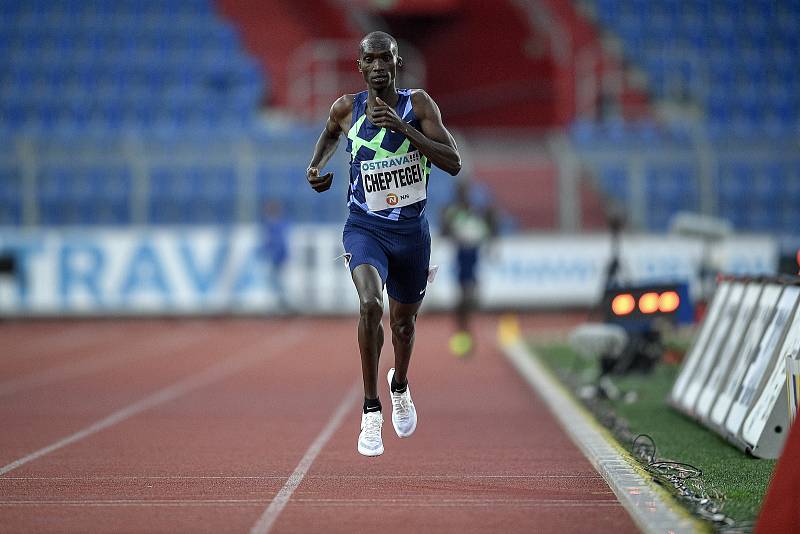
{"x": 220, "y": 270}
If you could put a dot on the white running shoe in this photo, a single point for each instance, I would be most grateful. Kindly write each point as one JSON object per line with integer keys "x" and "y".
{"x": 404, "y": 415}
{"x": 369, "y": 441}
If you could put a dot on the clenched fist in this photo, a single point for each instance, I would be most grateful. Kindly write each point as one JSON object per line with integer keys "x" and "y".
{"x": 317, "y": 182}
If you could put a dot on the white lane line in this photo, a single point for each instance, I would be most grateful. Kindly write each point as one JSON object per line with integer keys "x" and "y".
{"x": 464, "y": 500}
{"x": 314, "y": 477}
{"x": 422, "y": 503}
{"x": 228, "y": 367}
{"x": 67, "y": 338}
{"x": 650, "y": 507}
{"x": 267, "y": 519}
{"x": 75, "y": 369}
{"x": 129, "y": 502}
{"x": 448, "y": 477}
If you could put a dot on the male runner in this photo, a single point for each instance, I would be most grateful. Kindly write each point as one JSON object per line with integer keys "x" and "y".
{"x": 393, "y": 136}
{"x": 470, "y": 226}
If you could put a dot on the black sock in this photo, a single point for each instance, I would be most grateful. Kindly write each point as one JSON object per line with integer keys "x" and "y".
{"x": 397, "y": 388}
{"x": 372, "y": 405}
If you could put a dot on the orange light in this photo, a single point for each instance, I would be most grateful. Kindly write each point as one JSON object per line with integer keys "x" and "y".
{"x": 668, "y": 302}
{"x": 623, "y": 304}
{"x": 648, "y": 303}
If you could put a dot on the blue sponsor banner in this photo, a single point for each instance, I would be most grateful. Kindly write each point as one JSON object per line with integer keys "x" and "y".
{"x": 203, "y": 270}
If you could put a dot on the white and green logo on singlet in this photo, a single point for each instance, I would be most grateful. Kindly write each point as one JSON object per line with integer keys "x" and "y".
{"x": 375, "y": 145}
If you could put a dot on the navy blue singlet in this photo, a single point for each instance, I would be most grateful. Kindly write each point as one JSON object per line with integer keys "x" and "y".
{"x": 368, "y": 143}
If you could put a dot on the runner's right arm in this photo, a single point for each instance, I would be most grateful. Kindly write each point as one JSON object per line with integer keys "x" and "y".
{"x": 327, "y": 143}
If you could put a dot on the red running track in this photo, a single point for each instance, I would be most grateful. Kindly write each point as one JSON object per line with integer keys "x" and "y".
{"x": 197, "y": 426}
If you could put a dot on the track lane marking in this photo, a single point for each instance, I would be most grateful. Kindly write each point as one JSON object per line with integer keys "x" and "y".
{"x": 309, "y": 477}
{"x": 67, "y": 371}
{"x": 418, "y": 502}
{"x": 270, "y": 515}
{"x": 650, "y": 507}
{"x": 68, "y": 338}
{"x": 228, "y": 367}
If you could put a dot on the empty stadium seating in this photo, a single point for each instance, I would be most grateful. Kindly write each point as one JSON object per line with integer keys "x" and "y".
{"x": 146, "y": 112}
{"x": 129, "y": 64}
{"x": 735, "y": 61}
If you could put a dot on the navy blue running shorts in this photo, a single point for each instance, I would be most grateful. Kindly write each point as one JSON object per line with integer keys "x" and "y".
{"x": 467, "y": 261}
{"x": 400, "y": 250}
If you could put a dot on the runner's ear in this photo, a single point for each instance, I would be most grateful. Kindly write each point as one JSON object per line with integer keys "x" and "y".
{"x": 358, "y": 64}
{"x": 399, "y": 61}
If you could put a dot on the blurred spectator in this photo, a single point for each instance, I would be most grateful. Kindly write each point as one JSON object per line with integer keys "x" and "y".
{"x": 275, "y": 247}
{"x": 470, "y": 225}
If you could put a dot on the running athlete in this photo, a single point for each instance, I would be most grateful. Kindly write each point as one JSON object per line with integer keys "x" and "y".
{"x": 393, "y": 136}
{"x": 470, "y": 226}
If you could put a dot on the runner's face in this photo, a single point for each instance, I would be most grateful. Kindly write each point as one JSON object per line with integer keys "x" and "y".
{"x": 378, "y": 64}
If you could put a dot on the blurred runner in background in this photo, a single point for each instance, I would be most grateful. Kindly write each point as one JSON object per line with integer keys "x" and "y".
{"x": 275, "y": 247}
{"x": 469, "y": 225}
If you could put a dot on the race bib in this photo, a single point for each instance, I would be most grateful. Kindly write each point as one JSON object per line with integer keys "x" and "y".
{"x": 393, "y": 182}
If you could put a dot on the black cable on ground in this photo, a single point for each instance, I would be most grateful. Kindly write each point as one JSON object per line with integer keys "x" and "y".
{"x": 684, "y": 481}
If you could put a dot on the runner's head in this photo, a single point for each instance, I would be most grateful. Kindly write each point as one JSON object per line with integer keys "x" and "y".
{"x": 462, "y": 193}
{"x": 378, "y": 59}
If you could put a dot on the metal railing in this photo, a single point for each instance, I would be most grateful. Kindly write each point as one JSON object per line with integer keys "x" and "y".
{"x": 139, "y": 158}
{"x": 321, "y": 71}
{"x": 705, "y": 161}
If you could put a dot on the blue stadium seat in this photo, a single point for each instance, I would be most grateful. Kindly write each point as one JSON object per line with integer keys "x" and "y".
{"x": 10, "y": 195}
{"x": 740, "y": 45}
{"x": 122, "y": 47}
{"x": 614, "y": 181}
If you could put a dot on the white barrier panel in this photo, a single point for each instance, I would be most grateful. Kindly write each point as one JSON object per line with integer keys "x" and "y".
{"x": 767, "y": 425}
{"x": 793, "y": 384}
{"x": 718, "y": 336}
{"x": 730, "y": 351}
{"x": 698, "y": 349}
{"x": 754, "y": 378}
{"x": 220, "y": 270}
{"x": 737, "y": 383}
{"x": 761, "y": 318}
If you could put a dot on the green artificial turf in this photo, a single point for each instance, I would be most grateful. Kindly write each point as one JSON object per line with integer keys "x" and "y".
{"x": 741, "y": 479}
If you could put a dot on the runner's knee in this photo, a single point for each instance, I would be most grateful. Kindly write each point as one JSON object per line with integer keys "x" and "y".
{"x": 403, "y": 329}
{"x": 371, "y": 308}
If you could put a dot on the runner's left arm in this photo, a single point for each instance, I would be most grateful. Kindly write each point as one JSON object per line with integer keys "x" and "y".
{"x": 434, "y": 141}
